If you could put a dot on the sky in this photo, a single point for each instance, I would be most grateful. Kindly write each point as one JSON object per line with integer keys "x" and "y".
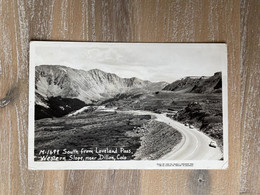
{"x": 147, "y": 61}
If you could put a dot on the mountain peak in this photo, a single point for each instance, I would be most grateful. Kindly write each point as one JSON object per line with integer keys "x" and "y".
{"x": 95, "y": 70}
{"x": 87, "y": 86}
{"x": 217, "y": 74}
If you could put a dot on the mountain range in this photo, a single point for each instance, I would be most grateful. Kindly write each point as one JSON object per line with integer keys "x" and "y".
{"x": 211, "y": 84}
{"x": 54, "y": 83}
{"x": 59, "y": 90}
{"x": 88, "y": 86}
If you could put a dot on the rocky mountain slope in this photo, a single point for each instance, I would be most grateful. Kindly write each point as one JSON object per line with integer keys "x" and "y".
{"x": 204, "y": 113}
{"x": 88, "y": 86}
{"x": 212, "y": 84}
{"x": 54, "y": 82}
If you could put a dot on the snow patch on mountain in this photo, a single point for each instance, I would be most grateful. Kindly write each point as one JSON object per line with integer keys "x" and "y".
{"x": 79, "y": 111}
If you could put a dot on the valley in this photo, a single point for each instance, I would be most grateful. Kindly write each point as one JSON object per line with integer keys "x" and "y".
{"x": 75, "y": 109}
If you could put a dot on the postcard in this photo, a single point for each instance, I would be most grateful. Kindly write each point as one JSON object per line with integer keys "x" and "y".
{"x": 102, "y": 105}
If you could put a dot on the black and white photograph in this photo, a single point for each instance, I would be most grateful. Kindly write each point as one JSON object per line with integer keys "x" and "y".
{"x": 96, "y": 105}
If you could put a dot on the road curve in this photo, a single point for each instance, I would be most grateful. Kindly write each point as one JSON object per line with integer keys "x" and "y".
{"x": 193, "y": 146}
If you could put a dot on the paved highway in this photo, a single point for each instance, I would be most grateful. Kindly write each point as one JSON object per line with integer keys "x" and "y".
{"x": 194, "y": 144}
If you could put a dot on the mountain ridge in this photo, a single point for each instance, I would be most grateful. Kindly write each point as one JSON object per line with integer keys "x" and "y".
{"x": 87, "y": 86}
{"x": 191, "y": 84}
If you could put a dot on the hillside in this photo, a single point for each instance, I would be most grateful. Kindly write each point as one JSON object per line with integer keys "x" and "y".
{"x": 206, "y": 116}
{"x": 202, "y": 84}
{"x": 54, "y": 82}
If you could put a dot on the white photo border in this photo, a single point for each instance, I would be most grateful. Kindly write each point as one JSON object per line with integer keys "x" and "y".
{"x": 129, "y": 164}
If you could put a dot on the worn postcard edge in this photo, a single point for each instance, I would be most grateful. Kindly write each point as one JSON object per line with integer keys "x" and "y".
{"x": 133, "y": 164}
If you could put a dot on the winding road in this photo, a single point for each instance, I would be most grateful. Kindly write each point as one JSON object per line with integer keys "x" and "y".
{"x": 194, "y": 144}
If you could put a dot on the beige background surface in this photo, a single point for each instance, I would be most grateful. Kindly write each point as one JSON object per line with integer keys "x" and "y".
{"x": 233, "y": 22}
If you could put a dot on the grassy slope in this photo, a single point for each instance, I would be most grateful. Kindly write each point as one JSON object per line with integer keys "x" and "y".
{"x": 208, "y": 117}
{"x": 105, "y": 129}
{"x": 100, "y": 129}
{"x": 159, "y": 139}
{"x": 88, "y": 130}
{"x": 159, "y": 101}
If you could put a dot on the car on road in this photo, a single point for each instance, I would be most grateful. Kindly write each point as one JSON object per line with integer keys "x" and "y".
{"x": 186, "y": 124}
{"x": 158, "y": 111}
{"x": 213, "y": 144}
{"x": 191, "y": 126}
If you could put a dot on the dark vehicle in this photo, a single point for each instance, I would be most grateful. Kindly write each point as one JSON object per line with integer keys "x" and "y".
{"x": 158, "y": 112}
{"x": 213, "y": 144}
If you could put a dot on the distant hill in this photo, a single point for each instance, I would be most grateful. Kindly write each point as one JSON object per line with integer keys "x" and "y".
{"x": 212, "y": 84}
